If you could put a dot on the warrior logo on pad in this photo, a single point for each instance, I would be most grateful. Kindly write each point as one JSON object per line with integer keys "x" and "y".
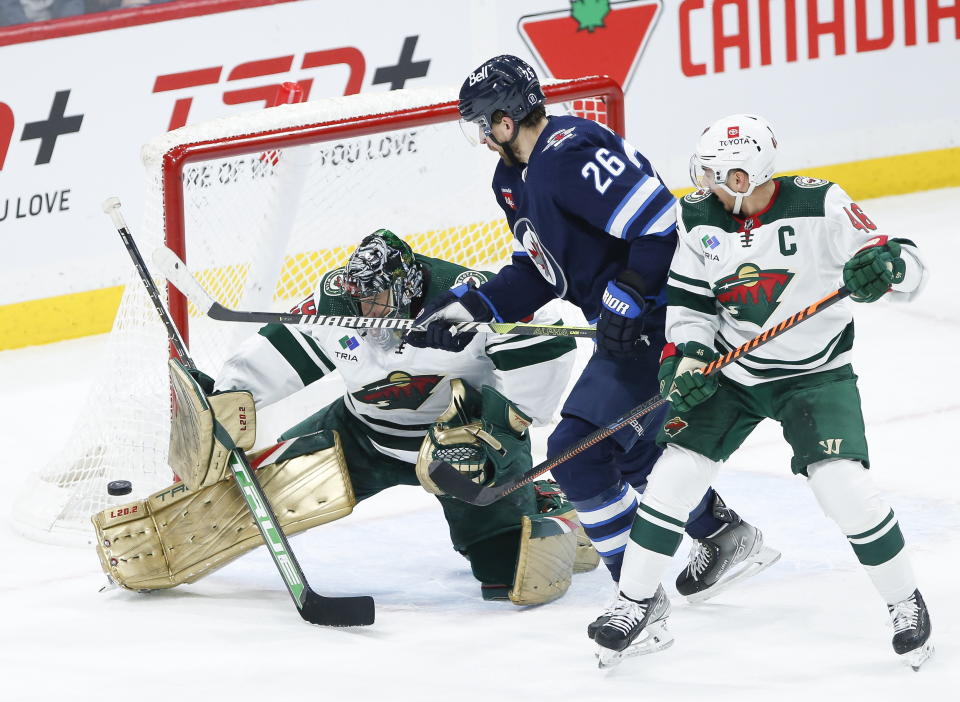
{"x": 399, "y": 390}
{"x": 752, "y": 294}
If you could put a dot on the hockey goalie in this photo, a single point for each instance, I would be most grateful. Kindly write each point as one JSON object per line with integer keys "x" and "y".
{"x": 402, "y": 408}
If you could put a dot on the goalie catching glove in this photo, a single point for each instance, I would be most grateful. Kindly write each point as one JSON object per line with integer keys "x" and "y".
{"x": 482, "y": 434}
{"x": 680, "y": 376}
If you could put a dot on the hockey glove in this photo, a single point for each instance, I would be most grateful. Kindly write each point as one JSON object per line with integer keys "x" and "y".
{"x": 620, "y": 327}
{"x": 681, "y": 380}
{"x": 873, "y": 269}
{"x": 460, "y": 304}
{"x": 482, "y": 434}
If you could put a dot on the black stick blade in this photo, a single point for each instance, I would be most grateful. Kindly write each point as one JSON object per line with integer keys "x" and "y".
{"x": 455, "y": 484}
{"x": 337, "y": 611}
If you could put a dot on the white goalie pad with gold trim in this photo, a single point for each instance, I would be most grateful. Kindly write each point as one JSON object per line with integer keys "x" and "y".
{"x": 179, "y": 534}
{"x": 195, "y": 454}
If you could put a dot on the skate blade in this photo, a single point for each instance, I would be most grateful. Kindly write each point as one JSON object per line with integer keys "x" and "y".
{"x": 657, "y": 638}
{"x": 918, "y": 657}
{"x": 760, "y": 562}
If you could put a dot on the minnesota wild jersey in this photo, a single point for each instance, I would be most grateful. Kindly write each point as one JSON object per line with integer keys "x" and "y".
{"x": 732, "y": 277}
{"x": 396, "y": 391}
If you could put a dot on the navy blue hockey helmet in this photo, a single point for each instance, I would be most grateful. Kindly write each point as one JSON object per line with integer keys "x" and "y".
{"x": 504, "y": 83}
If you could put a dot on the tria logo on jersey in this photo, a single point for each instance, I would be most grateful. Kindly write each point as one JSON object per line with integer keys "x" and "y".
{"x": 752, "y": 294}
{"x": 399, "y": 390}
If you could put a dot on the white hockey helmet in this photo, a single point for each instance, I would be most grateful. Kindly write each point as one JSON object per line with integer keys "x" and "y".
{"x": 736, "y": 142}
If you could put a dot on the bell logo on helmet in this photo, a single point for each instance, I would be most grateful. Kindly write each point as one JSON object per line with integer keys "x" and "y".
{"x": 479, "y": 75}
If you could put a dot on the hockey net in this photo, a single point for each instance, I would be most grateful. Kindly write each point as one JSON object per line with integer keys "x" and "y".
{"x": 260, "y": 205}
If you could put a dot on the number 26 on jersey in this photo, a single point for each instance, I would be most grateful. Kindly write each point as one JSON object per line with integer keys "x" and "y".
{"x": 609, "y": 164}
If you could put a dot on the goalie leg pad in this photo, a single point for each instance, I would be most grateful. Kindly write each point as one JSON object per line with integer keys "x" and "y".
{"x": 195, "y": 454}
{"x": 587, "y": 557}
{"x": 179, "y": 535}
{"x": 548, "y": 552}
{"x": 553, "y": 547}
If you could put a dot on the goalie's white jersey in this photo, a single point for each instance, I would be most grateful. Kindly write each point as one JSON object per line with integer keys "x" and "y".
{"x": 396, "y": 391}
{"x": 733, "y": 277}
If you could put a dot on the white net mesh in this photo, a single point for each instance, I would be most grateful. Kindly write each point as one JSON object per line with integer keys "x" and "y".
{"x": 260, "y": 229}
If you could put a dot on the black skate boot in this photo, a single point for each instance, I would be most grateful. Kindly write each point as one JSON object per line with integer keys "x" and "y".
{"x": 634, "y": 629}
{"x": 911, "y": 630}
{"x": 735, "y": 552}
{"x": 594, "y": 626}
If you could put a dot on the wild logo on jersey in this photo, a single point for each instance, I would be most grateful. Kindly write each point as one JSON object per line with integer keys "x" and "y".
{"x": 752, "y": 294}
{"x": 399, "y": 390}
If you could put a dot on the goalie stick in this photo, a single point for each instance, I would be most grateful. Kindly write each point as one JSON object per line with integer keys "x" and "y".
{"x": 458, "y": 485}
{"x": 314, "y": 608}
{"x": 176, "y": 272}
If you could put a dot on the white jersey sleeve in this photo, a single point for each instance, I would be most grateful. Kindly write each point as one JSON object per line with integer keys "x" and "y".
{"x": 533, "y": 371}
{"x": 855, "y": 230}
{"x": 691, "y": 305}
{"x": 276, "y": 362}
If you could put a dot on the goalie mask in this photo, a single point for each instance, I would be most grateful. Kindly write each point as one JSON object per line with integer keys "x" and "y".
{"x": 737, "y": 142}
{"x": 382, "y": 277}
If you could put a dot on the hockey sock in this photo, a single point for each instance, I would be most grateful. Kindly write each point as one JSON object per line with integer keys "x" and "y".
{"x": 607, "y": 519}
{"x": 676, "y": 485}
{"x": 848, "y": 496}
{"x": 702, "y": 522}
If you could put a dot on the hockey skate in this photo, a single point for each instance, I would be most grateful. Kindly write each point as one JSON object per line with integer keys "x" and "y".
{"x": 911, "y": 627}
{"x": 634, "y": 629}
{"x": 733, "y": 553}
{"x": 594, "y": 626}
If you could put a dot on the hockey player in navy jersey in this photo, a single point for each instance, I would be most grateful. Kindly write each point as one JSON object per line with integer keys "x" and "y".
{"x": 593, "y": 224}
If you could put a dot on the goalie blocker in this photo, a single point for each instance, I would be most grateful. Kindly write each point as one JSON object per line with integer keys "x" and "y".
{"x": 189, "y": 529}
{"x": 185, "y": 531}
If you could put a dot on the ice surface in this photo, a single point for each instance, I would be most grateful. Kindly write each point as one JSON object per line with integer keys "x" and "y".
{"x": 811, "y": 627}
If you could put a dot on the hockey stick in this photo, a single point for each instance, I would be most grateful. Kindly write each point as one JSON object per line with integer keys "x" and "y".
{"x": 177, "y": 273}
{"x": 314, "y": 608}
{"x": 456, "y": 484}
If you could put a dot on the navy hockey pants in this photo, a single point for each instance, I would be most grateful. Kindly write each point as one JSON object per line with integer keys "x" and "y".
{"x": 595, "y": 480}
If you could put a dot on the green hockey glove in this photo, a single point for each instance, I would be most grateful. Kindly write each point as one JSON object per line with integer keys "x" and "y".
{"x": 680, "y": 378}
{"x": 873, "y": 269}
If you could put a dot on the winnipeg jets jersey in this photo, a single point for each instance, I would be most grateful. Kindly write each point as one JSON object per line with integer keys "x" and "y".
{"x": 586, "y": 206}
{"x": 733, "y": 277}
{"x": 395, "y": 390}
